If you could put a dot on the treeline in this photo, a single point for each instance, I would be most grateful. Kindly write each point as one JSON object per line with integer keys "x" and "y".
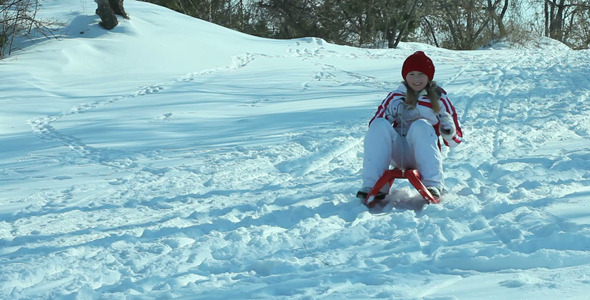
{"x": 452, "y": 24}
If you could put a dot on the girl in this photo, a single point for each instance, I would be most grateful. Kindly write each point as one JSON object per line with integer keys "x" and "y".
{"x": 405, "y": 130}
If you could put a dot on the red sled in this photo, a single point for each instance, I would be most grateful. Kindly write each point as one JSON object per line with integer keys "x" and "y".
{"x": 390, "y": 175}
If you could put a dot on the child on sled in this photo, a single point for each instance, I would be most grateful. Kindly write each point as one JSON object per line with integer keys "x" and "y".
{"x": 406, "y": 129}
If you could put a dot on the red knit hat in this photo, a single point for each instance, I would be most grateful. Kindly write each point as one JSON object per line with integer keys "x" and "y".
{"x": 418, "y": 62}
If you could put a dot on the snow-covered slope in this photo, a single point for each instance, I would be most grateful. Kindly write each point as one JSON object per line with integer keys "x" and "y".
{"x": 173, "y": 158}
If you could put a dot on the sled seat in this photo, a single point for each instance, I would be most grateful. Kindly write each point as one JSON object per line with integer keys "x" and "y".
{"x": 390, "y": 175}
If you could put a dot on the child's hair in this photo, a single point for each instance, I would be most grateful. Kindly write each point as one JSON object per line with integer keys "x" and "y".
{"x": 433, "y": 91}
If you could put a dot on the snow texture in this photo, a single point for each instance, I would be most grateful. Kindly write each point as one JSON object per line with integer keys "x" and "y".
{"x": 174, "y": 158}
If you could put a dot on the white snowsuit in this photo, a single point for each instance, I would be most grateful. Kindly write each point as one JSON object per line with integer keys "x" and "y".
{"x": 408, "y": 138}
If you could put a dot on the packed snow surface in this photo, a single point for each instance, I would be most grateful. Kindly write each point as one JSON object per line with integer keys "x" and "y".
{"x": 174, "y": 158}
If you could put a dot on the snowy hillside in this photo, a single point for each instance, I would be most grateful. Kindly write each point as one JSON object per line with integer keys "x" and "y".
{"x": 173, "y": 158}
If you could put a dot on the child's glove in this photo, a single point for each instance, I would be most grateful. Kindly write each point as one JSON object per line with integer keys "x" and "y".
{"x": 394, "y": 108}
{"x": 447, "y": 126}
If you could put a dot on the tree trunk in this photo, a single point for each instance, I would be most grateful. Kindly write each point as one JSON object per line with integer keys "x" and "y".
{"x": 107, "y": 11}
{"x": 117, "y": 6}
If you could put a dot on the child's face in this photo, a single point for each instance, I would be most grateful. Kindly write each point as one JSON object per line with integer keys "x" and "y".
{"x": 417, "y": 80}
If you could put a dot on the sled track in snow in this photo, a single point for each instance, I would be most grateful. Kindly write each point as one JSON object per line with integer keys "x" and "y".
{"x": 510, "y": 115}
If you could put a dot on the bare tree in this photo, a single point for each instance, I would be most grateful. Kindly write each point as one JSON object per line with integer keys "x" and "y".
{"x": 293, "y": 18}
{"x": 465, "y": 24}
{"x": 580, "y": 35}
{"x": 229, "y": 13}
{"x": 554, "y": 18}
{"x": 378, "y": 23}
{"x": 567, "y": 21}
{"x": 400, "y": 24}
{"x": 497, "y": 11}
{"x": 365, "y": 23}
{"x": 18, "y": 19}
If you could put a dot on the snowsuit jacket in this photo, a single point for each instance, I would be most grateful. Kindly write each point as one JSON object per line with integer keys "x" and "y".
{"x": 424, "y": 111}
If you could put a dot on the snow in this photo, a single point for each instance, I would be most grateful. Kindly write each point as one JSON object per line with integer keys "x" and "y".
{"x": 174, "y": 158}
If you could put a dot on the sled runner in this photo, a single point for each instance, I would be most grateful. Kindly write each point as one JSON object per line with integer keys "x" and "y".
{"x": 390, "y": 175}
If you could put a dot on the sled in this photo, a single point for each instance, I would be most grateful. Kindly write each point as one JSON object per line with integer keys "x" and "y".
{"x": 390, "y": 175}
